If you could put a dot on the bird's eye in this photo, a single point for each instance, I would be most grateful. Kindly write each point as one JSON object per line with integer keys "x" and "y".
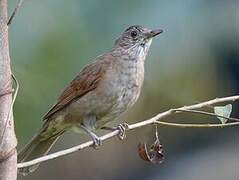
{"x": 133, "y": 34}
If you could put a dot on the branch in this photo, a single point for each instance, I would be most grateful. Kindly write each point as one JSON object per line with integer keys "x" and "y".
{"x": 153, "y": 120}
{"x": 208, "y": 113}
{"x": 8, "y": 155}
{"x": 19, "y": 3}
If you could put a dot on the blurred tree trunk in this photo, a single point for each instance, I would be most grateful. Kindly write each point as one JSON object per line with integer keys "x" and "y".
{"x": 8, "y": 154}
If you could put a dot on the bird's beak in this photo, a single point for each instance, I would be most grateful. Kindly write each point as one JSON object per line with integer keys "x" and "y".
{"x": 153, "y": 33}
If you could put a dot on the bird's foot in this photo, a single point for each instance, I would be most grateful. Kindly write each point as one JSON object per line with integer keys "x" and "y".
{"x": 122, "y": 129}
{"x": 97, "y": 141}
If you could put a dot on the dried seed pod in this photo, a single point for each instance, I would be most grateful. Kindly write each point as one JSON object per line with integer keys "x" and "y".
{"x": 154, "y": 154}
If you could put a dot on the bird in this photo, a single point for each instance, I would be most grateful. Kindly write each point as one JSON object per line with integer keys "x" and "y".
{"x": 100, "y": 93}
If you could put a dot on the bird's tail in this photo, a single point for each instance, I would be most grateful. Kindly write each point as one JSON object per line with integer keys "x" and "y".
{"x": 36, "y": 148}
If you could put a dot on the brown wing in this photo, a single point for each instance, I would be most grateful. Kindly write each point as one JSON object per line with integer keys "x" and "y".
{"x": 87, "y": 80}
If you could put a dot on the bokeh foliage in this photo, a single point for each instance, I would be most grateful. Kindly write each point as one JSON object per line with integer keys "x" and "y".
{"x": 195, "y": 59}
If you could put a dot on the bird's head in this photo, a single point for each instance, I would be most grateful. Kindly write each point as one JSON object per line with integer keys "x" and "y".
{"x": 136, "y": 36}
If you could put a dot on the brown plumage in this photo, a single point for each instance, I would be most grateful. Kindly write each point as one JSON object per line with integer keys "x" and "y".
{"x": 87, "y": 80}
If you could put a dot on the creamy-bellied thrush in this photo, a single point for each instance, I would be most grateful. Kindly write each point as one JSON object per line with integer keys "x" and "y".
{"x": 100, "y": 93}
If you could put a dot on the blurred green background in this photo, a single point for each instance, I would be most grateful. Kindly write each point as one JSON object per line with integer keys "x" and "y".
{"x": 195, "y": 59}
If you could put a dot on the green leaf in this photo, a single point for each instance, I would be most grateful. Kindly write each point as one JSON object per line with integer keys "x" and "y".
{"x": 223, "y": 111}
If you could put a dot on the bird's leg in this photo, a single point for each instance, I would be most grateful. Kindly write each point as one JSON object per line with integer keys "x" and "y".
{"x": 97, "y": 141}
{"x": 121, "y": 127}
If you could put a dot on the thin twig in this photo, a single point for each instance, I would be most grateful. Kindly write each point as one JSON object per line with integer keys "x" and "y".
{"x": 208, "y": 113}
{"x": 153, "y": 120}
{"x": 19, "y": 3}
{"x": 180, "y": 125}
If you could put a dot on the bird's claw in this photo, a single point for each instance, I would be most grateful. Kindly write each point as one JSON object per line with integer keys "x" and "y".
{"x": 122, "y": 128}
{"x": 96, "y": 142}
